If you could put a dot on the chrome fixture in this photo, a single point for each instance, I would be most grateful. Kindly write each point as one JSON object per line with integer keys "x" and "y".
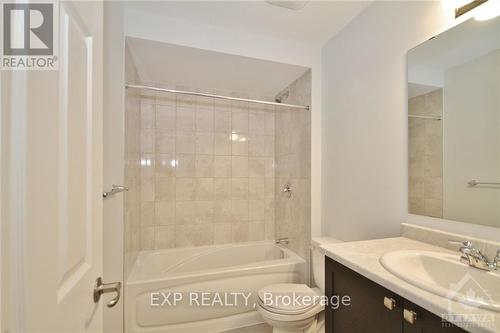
{"x": 410, "y": 316}
{"x": 184, "y": 92}
{"x": 474, "y": 258}
{"x": 287, "y": 189}
{"x": 425, "y": 117}
{"x": 282, "y": 241}
{"x": 280, "y": 98}
{"x": 102, "y": 288}
{"x": 474, "y": 182}
{"x": 390, "y": 303}
{"x": 115, "y": 189}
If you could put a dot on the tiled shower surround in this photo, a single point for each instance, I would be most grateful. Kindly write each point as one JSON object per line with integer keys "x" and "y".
{"x": 425, "y": 186}
{"x": 293, "y": 166}
{"x": 207, "y": 171}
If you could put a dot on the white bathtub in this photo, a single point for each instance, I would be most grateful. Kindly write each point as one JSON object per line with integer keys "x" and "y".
{"x": 222, "y": 269}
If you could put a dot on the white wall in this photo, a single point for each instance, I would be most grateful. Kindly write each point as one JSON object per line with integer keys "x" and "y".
{"x": 365, "y": 118}
{"x": 471, "y": 140}
{"x": 113, "y": 156}
{"x": 181, "y": 32}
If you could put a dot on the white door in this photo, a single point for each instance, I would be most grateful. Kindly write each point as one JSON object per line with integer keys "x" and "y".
{"x": 55, "y": 162}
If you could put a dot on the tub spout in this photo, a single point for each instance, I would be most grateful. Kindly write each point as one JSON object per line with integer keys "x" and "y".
{"x": 282, "y": 241}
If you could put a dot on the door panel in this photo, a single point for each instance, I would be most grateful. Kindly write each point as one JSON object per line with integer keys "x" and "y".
{"x": 56, "y": 130}
{"x": 367, "y": 312}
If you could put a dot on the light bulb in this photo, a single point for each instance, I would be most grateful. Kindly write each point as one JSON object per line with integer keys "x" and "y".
{"x": 487, "y": 11}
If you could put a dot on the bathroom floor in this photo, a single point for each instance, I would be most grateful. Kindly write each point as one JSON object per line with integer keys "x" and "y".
{"x": 261, "y": 328}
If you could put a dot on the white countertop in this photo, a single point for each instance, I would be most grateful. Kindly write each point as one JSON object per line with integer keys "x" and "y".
{"x": 363, "y": 258}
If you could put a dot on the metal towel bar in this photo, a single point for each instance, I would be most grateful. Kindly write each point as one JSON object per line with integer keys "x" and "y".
{"x": 474, "y": 182}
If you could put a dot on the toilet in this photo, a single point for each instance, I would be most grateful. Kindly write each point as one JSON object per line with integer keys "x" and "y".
{"x": 275, "y": 302}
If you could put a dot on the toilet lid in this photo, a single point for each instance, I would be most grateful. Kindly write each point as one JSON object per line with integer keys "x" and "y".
{"x": 288, "y": 298}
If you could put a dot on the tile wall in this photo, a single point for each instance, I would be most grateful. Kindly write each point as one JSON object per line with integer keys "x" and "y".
{"x": 293, "y": 166}
{"x": 425, "y": 186}
{"x": 132, "y": 199}
{"x": 207, "y": 171}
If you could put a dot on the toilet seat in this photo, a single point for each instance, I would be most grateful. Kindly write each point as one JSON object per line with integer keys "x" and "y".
{"x": 280, "y": 309}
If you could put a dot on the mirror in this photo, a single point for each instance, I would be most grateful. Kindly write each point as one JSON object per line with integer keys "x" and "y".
{"x": 454, "y": 124}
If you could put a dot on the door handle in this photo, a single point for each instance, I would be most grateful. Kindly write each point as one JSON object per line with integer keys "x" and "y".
{"x": 410, "y": 316}
{"x": 114, "y": 189}
{"x": 101, "y": 288}
{"x": 389, "y": 303}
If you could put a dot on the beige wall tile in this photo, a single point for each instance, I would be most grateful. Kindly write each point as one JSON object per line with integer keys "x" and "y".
{"x": 165, "y": 165}
{"x": 165, "y": 142}
{"x": 185, "y": 143}
{"x": 147, "y": 141}
{"x": 239, "y": 167}
{"x": 204, "y": 121}
{"x": 147, "y": 213}
{"x": 165, "y": 189}
{"x": 257, "y": 146}
{"x": 165, "y": 118}
{"x": 256, "y": 188}
{"x": 222, "y": 166}
{"x": 256, "y": 167}
{"x": 256, "y": 231}
{"x": 239, "y": 146}
{"x": 222, "y": 188}
{"x": 193, "y": 172}
{"x": 147, "y": 189}
{"x": 222, "y": 144}
{"x": 256, "y": 210}
{"x": 185, "y": 120}
{"x": 204, "y": 166}
{"x": 147, "y": 165}
{"x": 148, "y": 238}
{"x": 205, "y": 144}
{"x": 222, "y": 121}
{"x": 185, "y": 212}
{"x": 186, "y": 166}
{"x": 222, "y": 233}
{"x": 239, "y": 121}
{"x": 147, "y": 115}
{"x": 239, "y": 188}
{"x": 165, "y": 212}
{"x": 194, "y": 235}
{"x": 164, "y": 237}
{"x": 222, "y": 211}
{"x": 269, "y": 123}
{"x": 204, "y": 212}
{"x": 185, "y": 189}
{"x": 257, "y": 121}
{"x": 240, "y": 232}
{"x": 204, "y": 189}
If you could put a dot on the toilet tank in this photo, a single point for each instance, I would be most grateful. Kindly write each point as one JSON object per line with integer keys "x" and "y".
{"x": 318, "y": 260}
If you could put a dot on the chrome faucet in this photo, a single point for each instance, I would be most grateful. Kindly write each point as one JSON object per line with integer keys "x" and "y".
{"x": 282, "y": 241}
{"x": 475, "y": 258}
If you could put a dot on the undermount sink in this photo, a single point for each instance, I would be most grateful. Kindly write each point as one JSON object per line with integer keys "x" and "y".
{"x": 444, "y": 275}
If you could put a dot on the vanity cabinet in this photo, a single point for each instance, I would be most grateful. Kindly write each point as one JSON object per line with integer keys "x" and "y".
{"x": 373, "y": 308}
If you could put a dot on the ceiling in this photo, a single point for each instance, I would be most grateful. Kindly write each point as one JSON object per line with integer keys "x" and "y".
{"x": 314, "y": 24}
{"x": 175, "y": 66}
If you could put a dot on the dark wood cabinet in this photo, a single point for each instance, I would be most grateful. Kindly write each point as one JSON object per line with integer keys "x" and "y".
{"x": 372, "y": 308}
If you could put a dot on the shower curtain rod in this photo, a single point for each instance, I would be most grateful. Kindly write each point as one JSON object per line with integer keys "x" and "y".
{"x": 184, "y": 92}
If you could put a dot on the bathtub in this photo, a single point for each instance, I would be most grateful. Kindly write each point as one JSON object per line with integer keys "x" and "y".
{"x": 167, "y": 290}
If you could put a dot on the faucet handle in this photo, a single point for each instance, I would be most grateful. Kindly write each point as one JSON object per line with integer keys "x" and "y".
{"x": 466, "y": 243}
